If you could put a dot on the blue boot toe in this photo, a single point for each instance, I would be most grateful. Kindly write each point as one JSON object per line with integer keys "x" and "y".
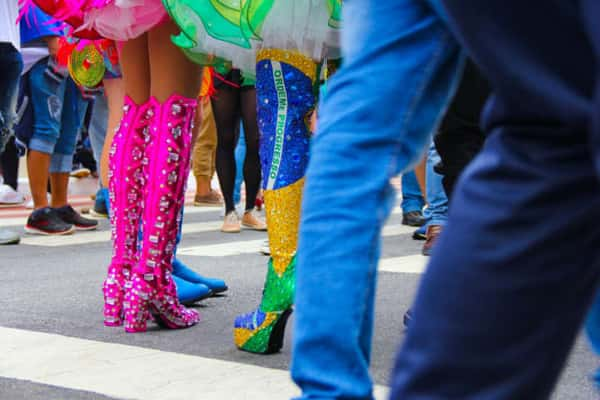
{"x": 184, "y": 272}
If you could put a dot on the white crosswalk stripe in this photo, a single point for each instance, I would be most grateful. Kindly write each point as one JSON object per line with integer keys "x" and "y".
{"x": 81, "y": 238}
{"x": 130, "y": 372}
{"x": 104, "y": 236}
{"x": 21, "y": 221}
{"x": 414, "y": 264}
{"x": 407, "y": 264}
{"x": 252, "y": 246}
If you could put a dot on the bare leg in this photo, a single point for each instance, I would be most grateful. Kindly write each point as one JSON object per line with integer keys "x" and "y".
{"x": 172, "y": 72}
{"x": 59, "y": 182}
{"x": 38, "y": 166}
{"x": 134, "y": 58}
{"x": 114, "y": 90}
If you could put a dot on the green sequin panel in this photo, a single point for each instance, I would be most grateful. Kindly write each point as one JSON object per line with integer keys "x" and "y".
{"x": 279, "y": 291}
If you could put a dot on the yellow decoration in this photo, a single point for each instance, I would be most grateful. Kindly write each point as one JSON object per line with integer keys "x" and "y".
{"x": 86, "y": 66}
{"x": 241, "y": 336}
{"x": 282, "y": 207}
{"x": 293, "y": 58}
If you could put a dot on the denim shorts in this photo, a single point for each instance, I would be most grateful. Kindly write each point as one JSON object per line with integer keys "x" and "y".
{"x": 58, "y": 112}
{"x": 11, "y": 65}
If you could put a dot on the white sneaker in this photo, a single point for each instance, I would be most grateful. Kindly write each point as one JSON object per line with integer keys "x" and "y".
{"x": 30, "y": 206}
{"x": 9, "y": 197}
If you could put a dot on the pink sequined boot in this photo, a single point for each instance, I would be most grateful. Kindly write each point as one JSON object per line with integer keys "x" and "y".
{"x": 166, "y": 161}
{"x": 126, "y": 187}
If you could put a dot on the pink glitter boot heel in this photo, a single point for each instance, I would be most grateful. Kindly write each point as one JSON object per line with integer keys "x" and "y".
{"x": 137, "y": 301}
{"x": 126, "y": 182}
{"x": 166, "y": 166}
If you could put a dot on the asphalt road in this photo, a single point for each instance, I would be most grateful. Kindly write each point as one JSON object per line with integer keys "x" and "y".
{"x": 50, "y": 296}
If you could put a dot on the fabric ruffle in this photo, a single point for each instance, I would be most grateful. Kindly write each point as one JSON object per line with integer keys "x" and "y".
{"x": 118, "y": 20}
{"x": 235, "y": 31}
{"x": 122, "y": 20}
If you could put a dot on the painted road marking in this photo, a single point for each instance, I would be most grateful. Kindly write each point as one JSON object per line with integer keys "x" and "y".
{"x": 129, "y": 372}
{"x": 21, "y": 220}
{"x": 104, "y": 236}
{"x": 252, "y": 246}
{"x": 80, "y": 238}
{"x": 414, "y": 264}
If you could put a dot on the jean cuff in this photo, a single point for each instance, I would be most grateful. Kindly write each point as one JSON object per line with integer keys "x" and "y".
{"x": 437, "y": 221}
{"x": 411, "y": 207}
{"x": 41, "y": 145}
{"x": 61, "y": 163}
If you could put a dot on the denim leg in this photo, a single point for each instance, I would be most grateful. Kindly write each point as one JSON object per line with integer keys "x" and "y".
{"x": 240, "y": 156}
{"x": 47, "y": 94}
{"x": 436, "y": 212}
{"x": 11, "y": 65}
{"x": 412, "y": 199}
{"x": 97, "y": 130}
{"x": 73, "y": 113}
{"x": 592, "y": 328}
{"x": 506, "y": 300}
{"x": 403, "y": 49}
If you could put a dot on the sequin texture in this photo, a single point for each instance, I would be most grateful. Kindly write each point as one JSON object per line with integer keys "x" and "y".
{"x": 284, "y": 98}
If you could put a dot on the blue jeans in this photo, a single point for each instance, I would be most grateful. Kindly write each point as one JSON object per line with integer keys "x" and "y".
{"x": 11, "y": 65}
{"x": 592, "y": 328}
{"x": 365, "y": 137}
{"x": 412, "y": 199}
{"x": 436, "y": 212}
{"x": 507, "y": 289}
{"x": 58, "y": 112}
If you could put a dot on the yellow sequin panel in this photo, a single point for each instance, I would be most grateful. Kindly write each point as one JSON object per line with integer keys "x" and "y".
{"x": 282, "y": 207}
{"x": 293, "y": 58}
{"x": 241, "y": 336}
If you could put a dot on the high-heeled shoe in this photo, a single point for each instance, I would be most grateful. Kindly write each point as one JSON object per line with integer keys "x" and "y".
{"x": 262, "y": 331}
{"x": 125, "y": 194}
{"x": 166, "y": 165}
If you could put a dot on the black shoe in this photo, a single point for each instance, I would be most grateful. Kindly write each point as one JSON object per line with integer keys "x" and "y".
{"x": 70, "y": 216}
{"x": 420, "y": 234}
{"x": 46, "y": 221}
{"x": 413, "y": 218}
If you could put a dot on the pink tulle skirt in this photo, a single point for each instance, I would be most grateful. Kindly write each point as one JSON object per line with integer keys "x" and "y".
{"x": 122, "y": 20}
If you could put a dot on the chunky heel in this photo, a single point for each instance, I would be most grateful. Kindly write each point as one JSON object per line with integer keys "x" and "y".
{"x": 136, "y": 305}
{"x": 278, "y": 333}
{"x": 113, "y": 301}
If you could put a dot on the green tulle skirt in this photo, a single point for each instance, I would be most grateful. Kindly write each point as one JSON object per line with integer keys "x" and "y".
{"x": 230, "y": 32}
